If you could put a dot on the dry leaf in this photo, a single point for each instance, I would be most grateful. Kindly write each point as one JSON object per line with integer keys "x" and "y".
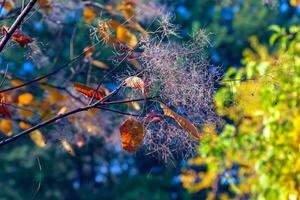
{"x": 132, "y": 135}
{"x": 87, "y": 91}
{"x": 18, "y": 36}
{"x": 68, "y": 147}
{"x": 38, "y": 138}
{"x": 183, "y": 122}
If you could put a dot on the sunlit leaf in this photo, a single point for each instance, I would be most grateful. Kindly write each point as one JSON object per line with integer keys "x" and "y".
{"x": 68, "y": 147}
{"x": 183, "y": 122}
{"x": 6, "y": 127}
{"x": 135, "y": 83}
{"x": 132, "y": 135}
{"x": 38, "y": 138}
{"x": 87, "y": 91}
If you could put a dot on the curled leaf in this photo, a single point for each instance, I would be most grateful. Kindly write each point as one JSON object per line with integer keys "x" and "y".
{"x": 87, "y": 91}
{"x": 135, "y": 83}
{"x": 181, "y": 121}
{"x": 132, "y": 135}
{"x": 38, "y": 138}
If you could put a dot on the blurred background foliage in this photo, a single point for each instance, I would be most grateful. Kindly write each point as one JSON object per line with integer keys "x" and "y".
{"x": 255, "y": 154}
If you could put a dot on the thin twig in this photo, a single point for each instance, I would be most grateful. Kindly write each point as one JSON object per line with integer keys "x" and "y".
{"x": 16, "y": 24}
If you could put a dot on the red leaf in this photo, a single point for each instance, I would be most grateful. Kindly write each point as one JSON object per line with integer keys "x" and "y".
{"x": 3, "y": 108}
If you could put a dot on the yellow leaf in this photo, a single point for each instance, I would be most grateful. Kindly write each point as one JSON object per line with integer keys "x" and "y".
{"x": 89, "y": 15}
{"x": 124, "y": 35}
{"x": 62, "y": 110}
{"x": 24, "y": 125}
{"x": 38, "y": 138}
{"x": 6, "y": 127}
{"x": 132, "y": 135}
{"x": 105, "y": 32}
{"x": 25, "y": 113}
{"x": 25, "y": 99}
{"x": 295, "y": 3}
{"x": 67, "y": 146}
{"x": 181, "y": 121}
{"x": 100, "y": 64}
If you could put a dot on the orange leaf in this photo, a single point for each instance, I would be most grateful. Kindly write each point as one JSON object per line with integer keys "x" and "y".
{"x": 132, "y": 135}
{"x": 6, "y": 127}
{"x": 45, "y": 5}
{"x": 87, "y": 91}
{"x": 24, "y": 125}
{"x": 88, "y": 51}
{"x": 181, "y": 121}
{"x": 89, "y": 15}
{"x": 25, "y": 99}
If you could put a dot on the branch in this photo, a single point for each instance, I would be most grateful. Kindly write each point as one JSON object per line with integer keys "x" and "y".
{"x": 16, "y": 24}
{"x": 40, "y": 125}
{"x": 49, "y": 74}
